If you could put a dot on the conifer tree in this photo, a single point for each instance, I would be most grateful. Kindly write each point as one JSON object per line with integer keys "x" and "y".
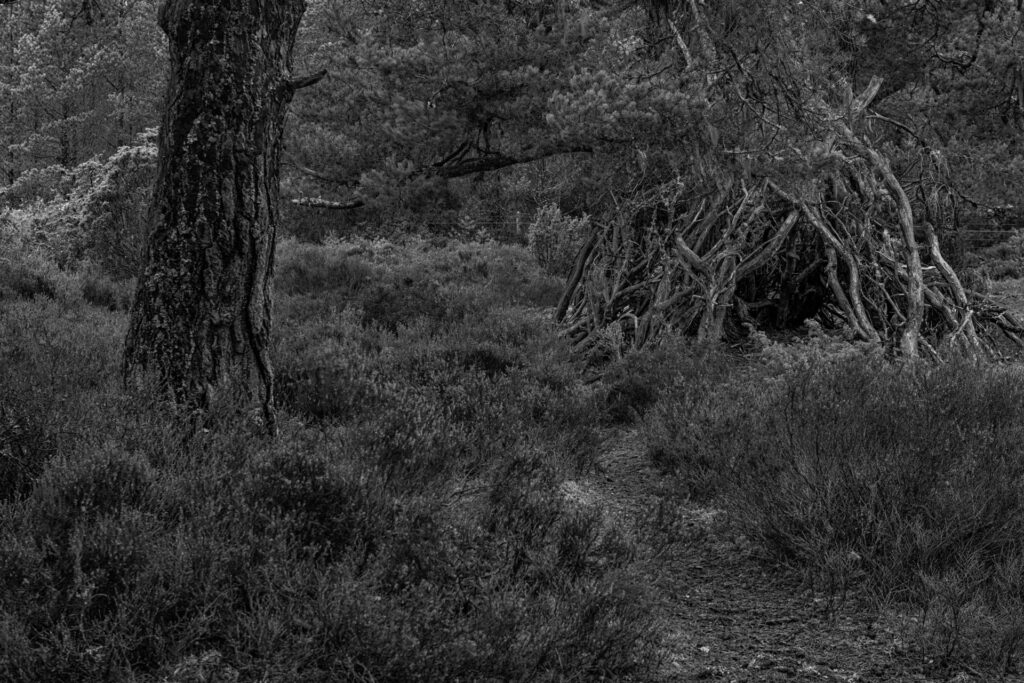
{"x": 77, "y": 79}
{"x": 201, "y": 320}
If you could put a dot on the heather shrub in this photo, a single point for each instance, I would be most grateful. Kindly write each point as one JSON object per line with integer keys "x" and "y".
{"x": 19, "y": 662}
{"x": 439, "y": 423}
{"x": 25, "y": 448}
{"x": 443, "y": 279}
{"x": 22, "y": 280}
{"x": 681, "y": 440}
{"x": 902, "y": 481}
{"x": 400, "y": 302}
{"x": 339, "y": 388}
{"x": 546, "y": 292}
{"x": 329, "y": 507}
{"x": 629, "y": 398}
{"x": 312, "y": 224}
{"x": 30, "y": 275}
{"x": 514, "y": 279}
{"x": 702, "y": 395}
{"x": 944, "y": 438}
{"x": 490, "y": 359}
{"x": 98, "y": 289}
{"x": 1002, "y": 260}
{"x": 80, "y": 345}
{"x": 405, "y": 525}
{"x": 92, "y": 484}
{"x": 1010, "y": 248}
{"x": 308, "y": 269}
{"x": 555, "y": 239}
{"x": 634, "y": 384}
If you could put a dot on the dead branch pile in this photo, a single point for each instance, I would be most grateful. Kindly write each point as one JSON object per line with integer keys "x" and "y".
{"x": 719, "y": 256}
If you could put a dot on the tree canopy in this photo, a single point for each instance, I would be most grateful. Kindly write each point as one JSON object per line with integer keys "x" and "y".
{"x": 839, "y": 145}
{"x": 423, "y": 94}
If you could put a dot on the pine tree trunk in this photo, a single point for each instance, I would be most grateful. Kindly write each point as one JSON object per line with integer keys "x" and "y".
{"x": 202, "y": 312}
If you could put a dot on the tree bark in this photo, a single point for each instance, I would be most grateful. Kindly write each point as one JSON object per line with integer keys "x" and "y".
{"x": 202, "y": 311}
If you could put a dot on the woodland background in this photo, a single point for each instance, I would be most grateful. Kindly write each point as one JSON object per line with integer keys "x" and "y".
{"x": 452, "y": 118}
{"x": 454, "y": 492}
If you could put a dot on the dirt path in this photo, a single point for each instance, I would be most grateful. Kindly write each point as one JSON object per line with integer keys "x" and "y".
{"x": 728, "y": 617}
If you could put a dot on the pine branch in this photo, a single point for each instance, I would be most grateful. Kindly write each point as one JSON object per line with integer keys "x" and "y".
{"x": 306, "y": 81}
{"x": 323, "y": 177}
{"x": 494, "y": 162}
{"x": 485, "y": 164}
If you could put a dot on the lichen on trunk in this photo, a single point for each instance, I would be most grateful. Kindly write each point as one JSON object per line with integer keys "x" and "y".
{"x": 202, "y": 312}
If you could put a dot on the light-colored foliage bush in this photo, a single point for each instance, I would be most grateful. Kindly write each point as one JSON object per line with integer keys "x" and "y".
{"x": 555, "y": 239}
{"x": 96, "y": 210}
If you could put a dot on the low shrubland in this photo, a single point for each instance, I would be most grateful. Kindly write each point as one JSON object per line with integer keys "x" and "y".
{"x": 409, "y": 522}
{"x": 1002, "y": 260}
{"x": 901, "y": 484}
{"x": 406, "y": 524}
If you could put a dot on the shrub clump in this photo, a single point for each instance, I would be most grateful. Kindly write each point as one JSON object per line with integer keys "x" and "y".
{"x": 31, "y": 275}
{"x": 98, "y": 483}
{"x": 1002, "y": 260}
{"x": 329, "y": 512}
{"x": 25, "y": 448}
{"x": 555, "y": 239}
{"x": 304, "y": 269}
{"x": 401, "y": 302}
{"x": 407, "y": 523}
{"x": 95, "y": 211}
{"x": 906, "y": 480}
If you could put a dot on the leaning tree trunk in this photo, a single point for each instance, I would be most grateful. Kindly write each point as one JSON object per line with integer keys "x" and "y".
{"x": 202, "y": 312}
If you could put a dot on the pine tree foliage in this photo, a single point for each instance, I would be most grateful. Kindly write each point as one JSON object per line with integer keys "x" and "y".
{"x": 741, "y": 166}
{"x": 77, "y": 79}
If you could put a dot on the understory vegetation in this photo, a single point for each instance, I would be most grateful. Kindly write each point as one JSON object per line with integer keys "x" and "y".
{"x": 896, "y": 485}
{"x": 406, "y": 524}
{"x": 410, "y": 521}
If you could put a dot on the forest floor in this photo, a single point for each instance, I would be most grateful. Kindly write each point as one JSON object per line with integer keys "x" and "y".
{"x": 730, "y": 616}
{"x": 426, "y": 388}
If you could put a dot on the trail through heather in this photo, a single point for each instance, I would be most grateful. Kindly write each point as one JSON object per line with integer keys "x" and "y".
{"x": 726, "y": 614}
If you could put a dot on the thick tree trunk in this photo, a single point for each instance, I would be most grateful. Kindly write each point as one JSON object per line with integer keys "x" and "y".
{"x": 202, "y": 312}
